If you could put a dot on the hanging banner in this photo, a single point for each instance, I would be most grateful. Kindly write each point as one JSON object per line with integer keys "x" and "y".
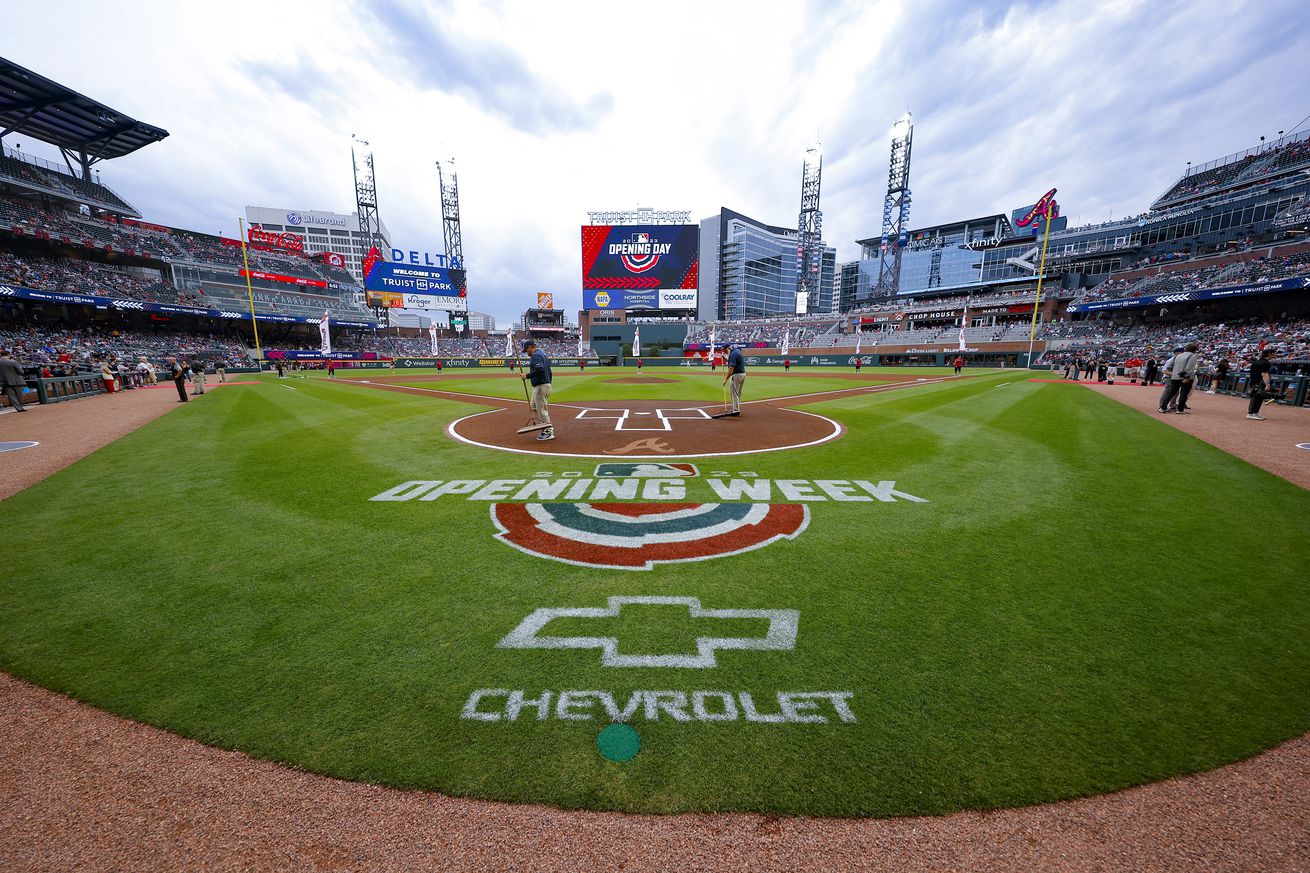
{"x": 324, "y": 335}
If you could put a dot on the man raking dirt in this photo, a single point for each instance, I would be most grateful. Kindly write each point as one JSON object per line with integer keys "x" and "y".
{"x": 539, "y": 375}
{"x": 736, "y": 373}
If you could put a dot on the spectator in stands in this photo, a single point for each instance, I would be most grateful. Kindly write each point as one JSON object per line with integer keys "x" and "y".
{"x": 11, "y": 376}
{"x": 107, "y": 376}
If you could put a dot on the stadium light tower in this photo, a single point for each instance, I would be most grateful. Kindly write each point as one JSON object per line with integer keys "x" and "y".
{"x": 366, "y": 195}
{"x": 896, "y": 208}
{"x": 451, "y": 234}
{"x": 809, "y": 229}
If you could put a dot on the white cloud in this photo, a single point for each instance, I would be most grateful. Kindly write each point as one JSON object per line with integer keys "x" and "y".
{"x": 554, "y": 109}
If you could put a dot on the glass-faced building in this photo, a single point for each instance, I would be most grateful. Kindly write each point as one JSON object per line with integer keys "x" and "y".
{"x": 959, "y": 255}
{"x": 748, "y": 270}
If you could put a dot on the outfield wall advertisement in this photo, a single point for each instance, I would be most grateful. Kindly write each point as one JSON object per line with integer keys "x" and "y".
{"x": 640, "y": 266}
{"x": 476, "y": 363}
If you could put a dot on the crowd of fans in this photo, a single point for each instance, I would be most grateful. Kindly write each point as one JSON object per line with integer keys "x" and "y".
{"x": 86, "y": 277}
{"x": 65, "y": 351}
{"x": 1236, "y": 342}
{"x": 1267, "y": 269}
{"x": 13, "y": 166}
{"x": 1248, "y": 167}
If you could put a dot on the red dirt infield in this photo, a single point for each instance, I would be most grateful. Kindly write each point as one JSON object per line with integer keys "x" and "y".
{"x": 649, "y": 429}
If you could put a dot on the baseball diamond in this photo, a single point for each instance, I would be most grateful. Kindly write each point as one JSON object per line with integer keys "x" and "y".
{"x": 647, "y": 534}
{"x": 844, "y": 507}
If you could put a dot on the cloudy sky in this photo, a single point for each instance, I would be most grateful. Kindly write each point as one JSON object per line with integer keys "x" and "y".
{"x": 554, "y": 109}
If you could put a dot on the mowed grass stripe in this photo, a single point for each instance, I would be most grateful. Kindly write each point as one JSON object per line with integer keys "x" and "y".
{"x": 1065, "y": 616}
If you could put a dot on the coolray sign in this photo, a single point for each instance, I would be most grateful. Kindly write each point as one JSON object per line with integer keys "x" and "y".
{"x": 418, "y": 258}
{"x": 404, "y": 286}
{"x": 785, "y": 707}
{"x": 780, "y": 636}
{"x": 677, "y": 299}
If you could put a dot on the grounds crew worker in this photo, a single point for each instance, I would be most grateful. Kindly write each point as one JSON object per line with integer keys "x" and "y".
{"x": 539, "y": 375}
{"x": 736, "y": 371}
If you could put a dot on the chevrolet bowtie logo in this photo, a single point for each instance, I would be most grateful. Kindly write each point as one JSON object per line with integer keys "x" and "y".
{"x": 781, "y": 635}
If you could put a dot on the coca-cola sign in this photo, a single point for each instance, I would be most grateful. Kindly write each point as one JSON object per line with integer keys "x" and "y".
{"x": 285, "y": 241}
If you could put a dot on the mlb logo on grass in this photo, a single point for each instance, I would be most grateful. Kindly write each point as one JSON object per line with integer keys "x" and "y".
{"x": 644, "y": 471}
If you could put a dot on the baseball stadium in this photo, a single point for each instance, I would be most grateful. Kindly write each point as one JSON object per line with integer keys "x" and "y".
{"x": 986, "y": 550}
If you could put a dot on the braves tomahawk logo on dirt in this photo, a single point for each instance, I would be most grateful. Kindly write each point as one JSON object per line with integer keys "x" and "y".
{"x": 637, "y": 536}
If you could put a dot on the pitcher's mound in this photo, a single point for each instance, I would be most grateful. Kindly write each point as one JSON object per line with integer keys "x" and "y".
{"x": 639, "y": 380}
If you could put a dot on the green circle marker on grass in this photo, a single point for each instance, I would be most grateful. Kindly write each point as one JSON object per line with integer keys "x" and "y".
{"x": 619, "y": 742}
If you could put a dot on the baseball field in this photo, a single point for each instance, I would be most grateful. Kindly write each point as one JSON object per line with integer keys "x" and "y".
{"x": 873, "y": 594}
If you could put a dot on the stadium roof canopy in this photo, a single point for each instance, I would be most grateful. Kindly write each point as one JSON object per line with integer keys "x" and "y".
{"x": 37, "y": 107}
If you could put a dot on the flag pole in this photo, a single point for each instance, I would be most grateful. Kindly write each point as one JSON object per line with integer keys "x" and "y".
{"x": 250, "y": 295}
{"x": 1041, "y": 273}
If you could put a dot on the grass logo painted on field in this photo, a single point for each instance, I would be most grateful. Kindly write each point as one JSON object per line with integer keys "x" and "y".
{"x": 637, "y": 536}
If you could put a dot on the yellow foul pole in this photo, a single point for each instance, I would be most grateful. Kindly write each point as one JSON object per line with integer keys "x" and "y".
{"x": 250, "y": 294}
{"x": 1041, "y": 273}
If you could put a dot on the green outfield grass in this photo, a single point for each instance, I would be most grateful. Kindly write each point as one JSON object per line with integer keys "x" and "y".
{"x": 683, "y": 384}
{"x": 1081, "y": 605}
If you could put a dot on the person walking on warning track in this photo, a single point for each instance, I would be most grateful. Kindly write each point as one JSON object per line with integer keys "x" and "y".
{"x": 959, "y": 362}
{"x": 177, "y": 372}
{"x": 736, "y": 371}
{"x": 539, "y": 376}
{"x": 11, "y": 377}
{"x": 1259, "y": 385}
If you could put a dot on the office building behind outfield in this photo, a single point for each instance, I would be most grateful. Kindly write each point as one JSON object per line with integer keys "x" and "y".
{"x": 748, "y": 270}
{"x": 320, "y": 231}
